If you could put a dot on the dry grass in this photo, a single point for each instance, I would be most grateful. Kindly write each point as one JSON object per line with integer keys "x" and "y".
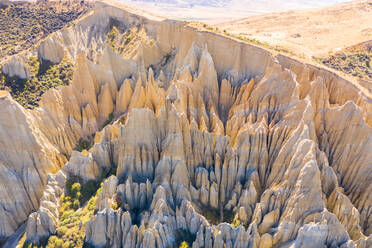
{"x": 357, "y": 64}
{"x": 24, "y": 24}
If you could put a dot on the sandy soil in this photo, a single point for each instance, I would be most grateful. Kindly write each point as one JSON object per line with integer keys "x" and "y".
{"x": 222, "y": 10}
{"x": 310, "y": 32}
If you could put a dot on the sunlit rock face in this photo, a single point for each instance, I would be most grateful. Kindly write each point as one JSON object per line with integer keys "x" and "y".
{"x": 206, "y": 131}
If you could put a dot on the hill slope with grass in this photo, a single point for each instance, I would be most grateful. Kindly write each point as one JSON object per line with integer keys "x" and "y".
{"x": 23, "y": 24}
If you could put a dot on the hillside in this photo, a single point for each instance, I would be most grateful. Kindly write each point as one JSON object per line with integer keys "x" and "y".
{"x": 24, "y": 24}
{"x": 355, "y": 61}
{"x": 217, "y": 11}
{"x": 314, "y": 32}
{"x": 161, "y": 133}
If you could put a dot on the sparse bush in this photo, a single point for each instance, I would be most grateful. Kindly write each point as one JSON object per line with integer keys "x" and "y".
{"x": 67, "y": 214}
{"x": 210, "y": 28}
{"x": 71, "y": 226}
{"x": 28, "y": 92}
{"x": 115, "y": 205}
{"x": 184, "y": 244}
{"x": 75, "y": 189}
{"x": 76, "y": 204}
{"x": 109, "y": 119}
{"x": 111, "y": 37}
{"x": 89, "y": 189}
{"x": 356, "y": 63}
{"x": 83, "y": 144}
{"x": 215, "y": 216}
{"x": 236, "y": 222}
{"x": 123, "y": 41}
{"x": 55, "y": 242}
{"x": 23, "y": 25}
{"x": 61, "y": 231}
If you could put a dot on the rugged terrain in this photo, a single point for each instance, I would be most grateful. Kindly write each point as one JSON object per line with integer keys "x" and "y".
{"x": 338, "y": 37}
{"x": 168, "y": 136}
{"x": 355, "y": 60}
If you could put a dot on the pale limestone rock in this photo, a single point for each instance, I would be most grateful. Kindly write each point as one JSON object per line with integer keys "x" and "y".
{"x": 105, "y": 103}
{"x": 26, "y": 157}
{"x": 345, "y": 212}
{"x": 123, "y": 100}
{"x": 266, "y": 241}
{"x": 82, "y": 164}
{"x": 363, "y": 243}
{"x": 51, "y": 50}
{"x": 106, "y": 198}
{"x": 269, "y": 220}
{"x": 225, "y": 126}
{"x": 16, "y": 67}
{"x": 43, "y": 223}
{"x": 121, "y": 68}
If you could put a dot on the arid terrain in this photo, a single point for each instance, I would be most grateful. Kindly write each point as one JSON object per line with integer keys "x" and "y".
{"x": 23, "y": 25}
{"x": 124, "y": 129}
{"x": 312, "y": 32}
{"x": 218, "y": 11}
{"x": 338, "y": 36}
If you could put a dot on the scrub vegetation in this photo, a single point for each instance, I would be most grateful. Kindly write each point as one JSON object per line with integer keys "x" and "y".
{"x": 43, "y": 76}
{"x": 24, "y": 24}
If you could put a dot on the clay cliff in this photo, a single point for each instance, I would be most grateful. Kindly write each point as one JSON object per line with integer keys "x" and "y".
{"x": 191, "y": 133}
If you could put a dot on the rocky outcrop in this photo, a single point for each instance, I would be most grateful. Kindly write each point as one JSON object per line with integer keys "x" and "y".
{"x": 42, "y": 223}
{"x": 82, "y": 165}
{"x": 51, "y": 50}
{"x": 205, "y": 131}
{"x": 26, "y": 157}
{"x": 16, "y": 67}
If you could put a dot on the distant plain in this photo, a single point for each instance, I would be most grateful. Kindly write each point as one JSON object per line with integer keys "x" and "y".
{"x": 217, "y": 11}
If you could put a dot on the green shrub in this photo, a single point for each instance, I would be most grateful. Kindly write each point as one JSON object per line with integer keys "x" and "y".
{"x": 89, "y": 189}
{"x": 61, "y": 231}
{"x": 355, "y": 63}
{"x": 83, "y": 144}
{"x": 122, "y": 41}
{"x": 76, "y": 204}
{"x": 23, "y": 25}
{"x": 236, "y": 222}
{"x": 184, "y": 244}
{"x": 214, "y": 216}
{"x": 111, "y": 37}
{"x": 67, "y": 214}
{"x": 109, "y": 119}
{"x": 115, "y": 205}
{"x": 28, "y": 92}
{"x": 55, "y": 242}
{"x": 71, "y": 226}
{"x": 75, "y": 189}
{"x": 66, "y": 245}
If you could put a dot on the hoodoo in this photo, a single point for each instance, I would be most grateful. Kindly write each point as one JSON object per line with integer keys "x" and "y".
{"x": 169, "y": 134}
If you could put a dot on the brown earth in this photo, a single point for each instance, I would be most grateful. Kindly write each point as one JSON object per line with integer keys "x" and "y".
{"x": 311, "y": 32}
